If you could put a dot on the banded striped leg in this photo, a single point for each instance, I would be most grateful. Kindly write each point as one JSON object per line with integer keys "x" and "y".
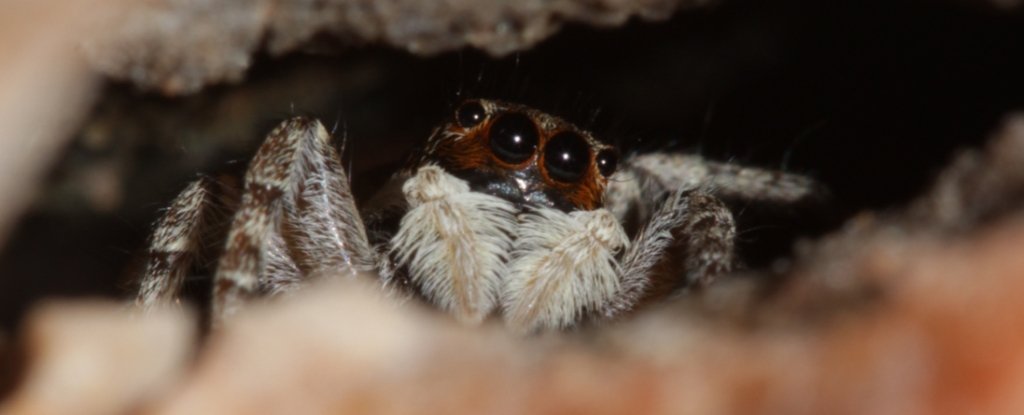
{"x": 175, "y": 245}
{"x": 687, "y": 243}
{"x": 296, "y": 217}
{"x": 646, "y": 178}
{"x": 324, "y": 226}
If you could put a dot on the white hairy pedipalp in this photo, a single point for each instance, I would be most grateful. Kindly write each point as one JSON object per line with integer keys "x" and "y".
{"x": 562, "y": 265}
{"x": 454, "y": 242}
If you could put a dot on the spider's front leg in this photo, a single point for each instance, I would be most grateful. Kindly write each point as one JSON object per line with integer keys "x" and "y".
{"x": 297, "y": 218}
{"x": 686, "y": 244}
{"x": 175, "y": 244}
{"x": 687, "y": 235}
{"x": 645, "y": 179}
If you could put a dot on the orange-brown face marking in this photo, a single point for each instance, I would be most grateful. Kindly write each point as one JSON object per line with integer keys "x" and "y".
{"x": 523, "y": 155}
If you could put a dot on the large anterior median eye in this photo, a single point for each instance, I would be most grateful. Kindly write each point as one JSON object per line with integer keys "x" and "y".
{"x": 470, "y": 114}
{"x": 513, "y": 137}
{"x": 566, "y": 157}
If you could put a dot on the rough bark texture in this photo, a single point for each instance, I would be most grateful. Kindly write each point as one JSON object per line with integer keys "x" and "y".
{"x": 179, "y": 46}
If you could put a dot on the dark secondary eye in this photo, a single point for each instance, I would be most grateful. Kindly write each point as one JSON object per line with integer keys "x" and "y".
{"x": 513, "y": 137}
{"x": 470, "y": 114}
{"x": 566, "y": 157}
{"x": 607, "y": 161}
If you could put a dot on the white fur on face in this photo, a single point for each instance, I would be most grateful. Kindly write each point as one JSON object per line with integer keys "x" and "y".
{"x": 454, "y": 242}
{"x": 562, "y": 265}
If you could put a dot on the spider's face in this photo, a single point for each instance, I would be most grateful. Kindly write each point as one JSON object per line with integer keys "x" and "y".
{"x": 523, "y": 155}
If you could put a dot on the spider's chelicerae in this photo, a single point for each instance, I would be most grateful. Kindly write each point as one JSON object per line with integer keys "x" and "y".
{"x": 506, "y": 211}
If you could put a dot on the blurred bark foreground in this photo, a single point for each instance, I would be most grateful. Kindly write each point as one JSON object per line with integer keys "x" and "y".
{"x": 45, "y": 90}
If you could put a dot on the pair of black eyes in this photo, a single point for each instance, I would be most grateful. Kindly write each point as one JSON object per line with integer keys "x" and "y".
{"x": 514, "y": 138}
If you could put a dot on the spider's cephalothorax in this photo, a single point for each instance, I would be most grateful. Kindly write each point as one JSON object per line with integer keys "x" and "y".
{"x": 506, "y": 211}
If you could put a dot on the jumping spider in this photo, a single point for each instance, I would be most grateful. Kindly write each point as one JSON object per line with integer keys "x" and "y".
{"x": 505, "y": 211}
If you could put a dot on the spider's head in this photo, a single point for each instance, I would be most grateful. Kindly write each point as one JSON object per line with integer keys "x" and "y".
{"x": 523, "y": 155}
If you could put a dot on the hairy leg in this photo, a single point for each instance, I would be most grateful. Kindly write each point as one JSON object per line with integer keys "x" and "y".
{"x": 281, "y": 273}
{"x": 646, "y": 178}
{"x": 687, "y": 243}
{"x": 175, "y": 244}
{"x": 322, "y": 224}
{"x": 296, "y": 216}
